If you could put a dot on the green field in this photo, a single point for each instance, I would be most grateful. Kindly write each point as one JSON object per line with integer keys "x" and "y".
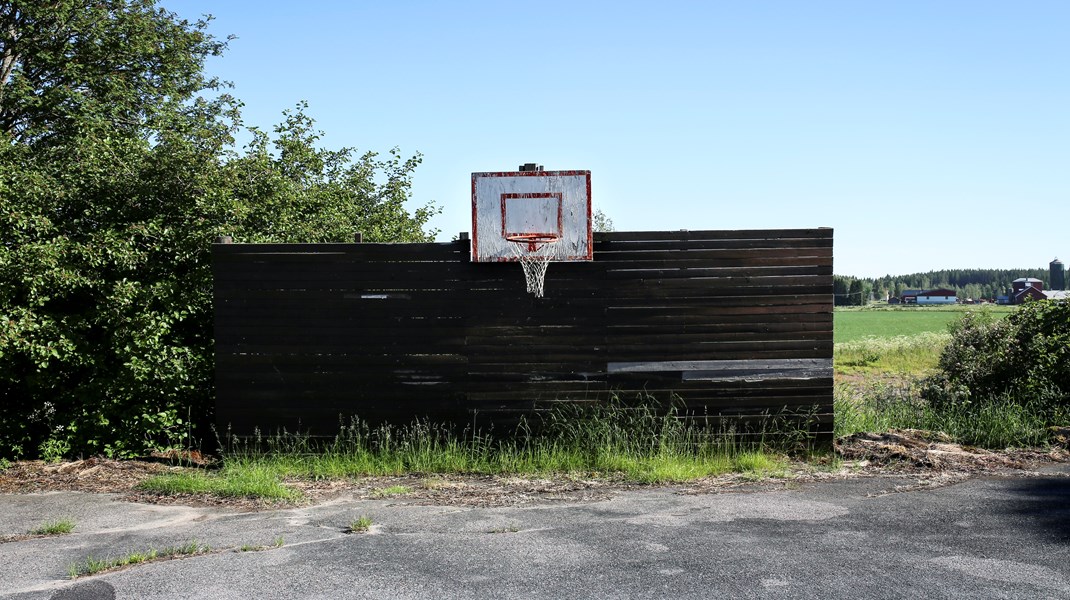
{"x": 896, "y": 340}
{"x": 853, "y": 324}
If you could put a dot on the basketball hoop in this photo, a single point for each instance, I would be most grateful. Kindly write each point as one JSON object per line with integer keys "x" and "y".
{"x": 534, "y": 251}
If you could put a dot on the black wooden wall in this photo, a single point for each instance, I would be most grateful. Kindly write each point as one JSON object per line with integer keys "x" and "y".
{"x": 733, "y": 323}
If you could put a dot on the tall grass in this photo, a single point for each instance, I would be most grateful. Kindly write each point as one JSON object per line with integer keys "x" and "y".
{"x": 993, "y": 423}
{"x": 904, "y": 354}
{"x": 642, "y": 442}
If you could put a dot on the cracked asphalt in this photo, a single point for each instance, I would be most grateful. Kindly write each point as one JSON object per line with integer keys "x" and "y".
{"x": 986, "y": 537}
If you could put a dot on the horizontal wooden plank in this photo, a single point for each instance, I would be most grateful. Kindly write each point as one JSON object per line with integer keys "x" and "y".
{"x": 505, "y": 327}
{"x": 719, "y": 365}
{"x": 706, "y": 234}
{"x": 725, "y": 306}
{"x": 398, "y": 251}
{"x": 413, "y": 341}
{"x": 599, "y": 237}
{"x": 636, "y": 354}
{"x": 525, "y": 398}
{"x": 636, "y": 384}
{"x": 685, "y": 402}
{"x": 415, "y": 330}
{"x": 744, "y": 259}
{"x": 450, "y": 278}
{"x": 226, "y": 356}
{"x": 335, "y": 410}
{"x": 606, "y": 249}
{"x": 637, "y": 338}
{"x": 634, "y": 284}
{"x": 619, "y": 256}
{"x": 515, "y": 300}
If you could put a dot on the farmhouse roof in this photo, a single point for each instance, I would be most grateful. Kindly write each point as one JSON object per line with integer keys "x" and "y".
{"x": 910, "y": 293}
{"x": 1032, "y": 292}
{"x": 1057, "y": 294}
{"x": 937, "y": 292}
{"x": 1027, "y": 280}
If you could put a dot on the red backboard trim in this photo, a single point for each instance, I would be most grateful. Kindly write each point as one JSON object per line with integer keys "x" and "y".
{"x": 571, "y": 173}
{"x": 560, "y": 218}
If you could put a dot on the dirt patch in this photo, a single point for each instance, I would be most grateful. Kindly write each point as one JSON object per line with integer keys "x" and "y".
{"x": 489, "y": 490}
{"x": 98, "y": 475}
{"x": 21, "y": 537}
{"x": 916, "y": 450}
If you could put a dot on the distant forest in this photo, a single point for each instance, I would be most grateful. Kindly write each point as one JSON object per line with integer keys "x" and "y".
{"x": 967, "y": 283}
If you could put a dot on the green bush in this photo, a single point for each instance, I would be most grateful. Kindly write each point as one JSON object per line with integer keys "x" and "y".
{"x": 1024, "y": 359}
{"x": 112, "y": 191}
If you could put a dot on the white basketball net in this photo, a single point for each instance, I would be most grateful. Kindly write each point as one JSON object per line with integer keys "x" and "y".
{"x": 534, "y": 262}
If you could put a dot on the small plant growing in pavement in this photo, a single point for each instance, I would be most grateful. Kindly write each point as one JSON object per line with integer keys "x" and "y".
{"x": 57, "y": 527}
{"x": 359, "y": 525}
{"x": 92, "y": 566}
{"x": 259, "y": 548}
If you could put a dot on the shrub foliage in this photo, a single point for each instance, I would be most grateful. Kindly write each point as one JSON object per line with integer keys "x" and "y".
{"x": 1024, "y": 359}
{"x": 117, "y": 171}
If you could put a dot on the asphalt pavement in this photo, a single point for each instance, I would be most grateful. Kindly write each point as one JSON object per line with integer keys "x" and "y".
{"x": 990, "y": 537}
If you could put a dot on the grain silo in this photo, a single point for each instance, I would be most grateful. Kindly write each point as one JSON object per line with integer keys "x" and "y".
{"x": 1058, "y": 274}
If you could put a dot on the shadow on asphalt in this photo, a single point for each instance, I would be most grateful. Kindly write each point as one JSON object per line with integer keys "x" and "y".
{"x": 1044, "y": 503}
{"x": 89, "y": 590}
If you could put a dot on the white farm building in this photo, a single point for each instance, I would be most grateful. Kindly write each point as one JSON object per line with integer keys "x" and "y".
{"x": 937, "y": 296}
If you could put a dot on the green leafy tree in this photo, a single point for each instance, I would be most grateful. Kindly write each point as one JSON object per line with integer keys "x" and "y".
{"x": 117, "y": 171}
{"x": 856, "y": 293}
{"x": 317, "y": 195}
{"x": 119, "y": 64}
{"x": 601, "y": 221}
{"x": 840, "y": 290}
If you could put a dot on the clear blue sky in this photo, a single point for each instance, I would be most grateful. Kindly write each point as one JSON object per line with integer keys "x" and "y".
{"x": 930, "y": 134}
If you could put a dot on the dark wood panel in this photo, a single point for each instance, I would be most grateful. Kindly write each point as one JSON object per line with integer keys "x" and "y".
{"x": 391, "y": 331}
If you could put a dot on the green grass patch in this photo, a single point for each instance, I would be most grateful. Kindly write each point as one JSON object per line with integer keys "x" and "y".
{"x": 240, "y": 481}
{"x": 57, "y": 527}
{"x": 394, "y": 490}
{"x": 91, "y": 565}
{"x": 851, "y": 324}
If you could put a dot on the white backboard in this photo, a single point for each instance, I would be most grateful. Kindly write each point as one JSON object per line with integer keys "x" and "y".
{"x": 554, "y": 203}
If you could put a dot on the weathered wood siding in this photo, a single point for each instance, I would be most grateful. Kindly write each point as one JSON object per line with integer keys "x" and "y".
{"x": 733, "y": 323}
